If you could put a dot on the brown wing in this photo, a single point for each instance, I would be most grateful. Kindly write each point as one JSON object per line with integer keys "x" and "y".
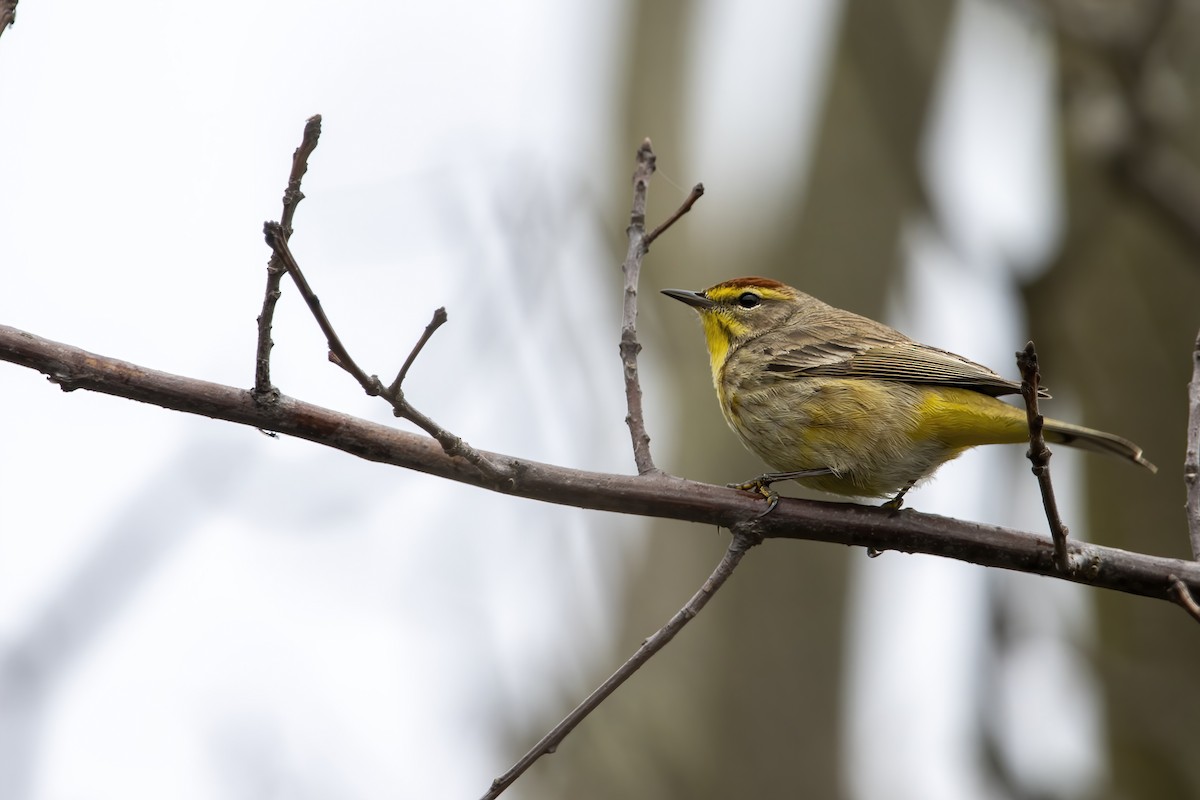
{"x": 876, "y": 357}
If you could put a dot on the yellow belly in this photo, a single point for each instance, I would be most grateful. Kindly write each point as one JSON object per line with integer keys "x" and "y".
{"x": 877, "y": 437}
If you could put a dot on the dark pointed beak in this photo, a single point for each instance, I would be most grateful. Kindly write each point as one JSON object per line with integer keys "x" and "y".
{"x": 693, "y": 299}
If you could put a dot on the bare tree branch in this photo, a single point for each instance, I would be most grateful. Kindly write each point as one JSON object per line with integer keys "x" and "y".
{"x": 744, "y": 538}
{"x": 654, "y": 495}
{"x": 1039, "y": 454}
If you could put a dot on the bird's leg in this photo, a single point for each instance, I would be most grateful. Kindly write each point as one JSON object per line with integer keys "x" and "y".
{"x": 897, "y": 501}
{"x": 762, "y": 484}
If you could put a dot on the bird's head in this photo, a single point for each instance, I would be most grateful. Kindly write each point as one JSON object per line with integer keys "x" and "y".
{"x": 737, "y": 310}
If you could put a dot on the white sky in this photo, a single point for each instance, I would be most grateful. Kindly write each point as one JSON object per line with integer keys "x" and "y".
{"x": 211, "y": 613}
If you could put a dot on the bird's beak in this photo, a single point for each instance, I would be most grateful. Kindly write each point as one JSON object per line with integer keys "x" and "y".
{"x": 696, "y": 300}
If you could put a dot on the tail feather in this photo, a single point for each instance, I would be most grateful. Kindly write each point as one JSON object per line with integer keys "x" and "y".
{"x": 1095, "y": 441}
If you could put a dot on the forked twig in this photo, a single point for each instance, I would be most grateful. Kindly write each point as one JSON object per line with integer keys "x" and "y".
{"x": 394, "y": 395}
{"x": 1039, "y": 454}
{"x": 282, "y": 260}
{"x": 744, "y": 537}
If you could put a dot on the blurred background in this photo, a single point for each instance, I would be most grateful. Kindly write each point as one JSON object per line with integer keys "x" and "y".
{"x": 189, "y": 609}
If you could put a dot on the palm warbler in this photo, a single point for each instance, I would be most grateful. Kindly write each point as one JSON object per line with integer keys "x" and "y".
{"x": 847, "y": 405}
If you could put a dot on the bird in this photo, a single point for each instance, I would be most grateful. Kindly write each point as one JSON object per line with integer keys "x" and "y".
{"x": 848, "y": 406}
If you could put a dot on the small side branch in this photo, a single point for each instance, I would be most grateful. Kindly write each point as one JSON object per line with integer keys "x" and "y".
{"x": 439, "y": 319}
{"x": 451, "y": 444}
{"x": 744, "y": 537}
{"x": 264, "y": 392}
{"x": 1182, "y": 596}
{"x": 394, "y": 394}
{"x": 1191, "y": 461}
{"x": 695, "y": 194}
{"x": 1039, "y": 454}
{"x": 639, "y": 245}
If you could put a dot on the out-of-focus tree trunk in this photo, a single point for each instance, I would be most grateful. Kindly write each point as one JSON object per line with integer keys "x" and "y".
{"x": 1115, "y": 318}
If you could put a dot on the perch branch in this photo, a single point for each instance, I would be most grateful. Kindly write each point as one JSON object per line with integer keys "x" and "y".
{"x": 744, "y": 538}
{"x": 1039, "y": 454}
{"x": 657, "y": 495}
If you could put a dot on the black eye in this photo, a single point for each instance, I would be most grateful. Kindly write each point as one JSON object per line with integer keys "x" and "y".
{"x": 748, "y": 300}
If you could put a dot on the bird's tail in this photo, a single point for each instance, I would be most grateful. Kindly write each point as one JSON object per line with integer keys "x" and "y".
{"x": 1094, "y": 440}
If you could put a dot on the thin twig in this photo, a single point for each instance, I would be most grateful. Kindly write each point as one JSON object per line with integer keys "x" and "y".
{"x": 686, "y": 206}
{"x": 1179, "y": 592}
{"x": 1191, "y": 461}
{"x": 451, "y": 444}
{"x": 1039, "y": 454}
{"x": 630, "y": 347}
{"x": 744, "y": 537}
{"x": 263, "y": 390}
{"x": 439, "y": 319}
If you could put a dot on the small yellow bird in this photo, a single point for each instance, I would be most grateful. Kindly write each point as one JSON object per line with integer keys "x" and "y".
{"x": 846, "y": 405}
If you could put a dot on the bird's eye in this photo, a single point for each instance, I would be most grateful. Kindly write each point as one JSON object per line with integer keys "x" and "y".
{"x": 748, "y": 300}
